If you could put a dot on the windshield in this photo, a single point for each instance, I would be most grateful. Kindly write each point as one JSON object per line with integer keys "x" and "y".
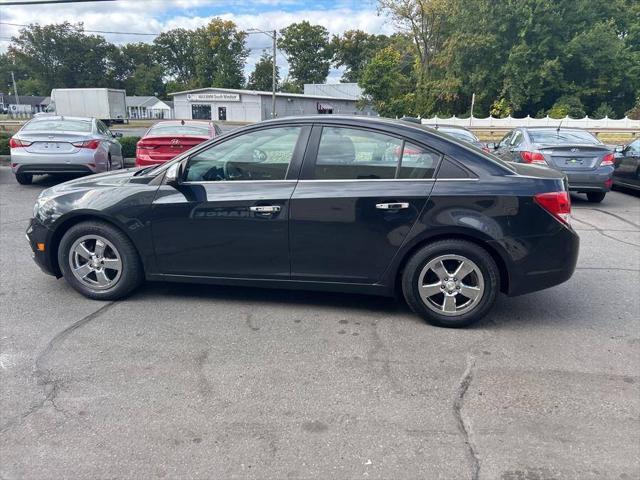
{"x": 58, "y": 125}
{"x": 555, "y": 137}
{"x": 171, "y": 129}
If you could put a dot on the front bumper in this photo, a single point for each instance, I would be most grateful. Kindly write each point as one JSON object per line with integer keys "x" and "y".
{"x": 39, "y": 234}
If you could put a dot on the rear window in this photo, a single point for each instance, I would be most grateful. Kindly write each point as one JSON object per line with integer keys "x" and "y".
{"x": 58, "y": 125}
{"x": 460, "y": 134}
{"x": 557, "y": 137}
{"x": 162, "y": 130}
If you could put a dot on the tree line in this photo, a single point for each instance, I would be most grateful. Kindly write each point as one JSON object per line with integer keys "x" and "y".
{"x": 519, "y": 57}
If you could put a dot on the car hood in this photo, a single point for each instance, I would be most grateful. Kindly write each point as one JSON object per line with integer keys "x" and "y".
{"x": 107, "y": 179}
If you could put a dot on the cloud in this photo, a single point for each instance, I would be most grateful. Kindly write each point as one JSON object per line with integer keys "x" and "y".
{"x": 154, "y": 16}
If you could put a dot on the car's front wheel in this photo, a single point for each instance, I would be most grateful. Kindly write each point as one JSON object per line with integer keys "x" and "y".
{"x": 451, "y": 283}
{"x": 99, "y": 261}
{"x": 596, "y": 197}
{"x": 24, "y": 178}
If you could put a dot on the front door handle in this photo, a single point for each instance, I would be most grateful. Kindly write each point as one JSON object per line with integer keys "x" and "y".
{"x": 392, "y": 206}
{"x": 265, "y": 209}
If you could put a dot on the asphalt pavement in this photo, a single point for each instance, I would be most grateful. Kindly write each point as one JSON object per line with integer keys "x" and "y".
{"x": 188, "y": 381}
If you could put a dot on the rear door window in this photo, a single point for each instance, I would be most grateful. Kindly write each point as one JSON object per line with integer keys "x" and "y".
{"x": 417, "y": 162}
{"x": 355, "y": 154}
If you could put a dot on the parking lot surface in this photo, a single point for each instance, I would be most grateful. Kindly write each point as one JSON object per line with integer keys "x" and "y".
{"x": 191, "y": 381}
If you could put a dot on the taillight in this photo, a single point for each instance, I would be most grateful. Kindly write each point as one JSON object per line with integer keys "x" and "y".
{"x": 145, "y": 146}
{"x": 90, "y": 144}
{"x": 607, "y": 160}
{"x": 15, "y": 143}
{"x": 557, "y": 204}
{"x": 533, "y": 157}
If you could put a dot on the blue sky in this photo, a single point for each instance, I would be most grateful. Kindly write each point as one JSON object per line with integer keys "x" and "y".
{"x": 152, "y": 16}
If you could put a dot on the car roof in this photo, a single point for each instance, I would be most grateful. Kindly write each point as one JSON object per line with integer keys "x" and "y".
{"x": 61, "y": 117}
{"x": 552, "y": 128}
{"x": 183, "y": 122}
{"x": 438, "y": 126}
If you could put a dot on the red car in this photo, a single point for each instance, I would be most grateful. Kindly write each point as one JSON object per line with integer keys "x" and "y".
{"x": 165, "y": 140}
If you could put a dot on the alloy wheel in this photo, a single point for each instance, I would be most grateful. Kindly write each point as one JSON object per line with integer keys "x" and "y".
{"x": 451, "y": 285}
{"x": 95, "y": 262}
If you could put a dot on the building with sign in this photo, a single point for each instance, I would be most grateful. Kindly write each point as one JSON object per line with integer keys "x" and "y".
{"x": 254, "y": 106}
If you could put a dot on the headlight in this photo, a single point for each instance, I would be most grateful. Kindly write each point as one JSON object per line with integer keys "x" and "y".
{"x": 45, "y": 207}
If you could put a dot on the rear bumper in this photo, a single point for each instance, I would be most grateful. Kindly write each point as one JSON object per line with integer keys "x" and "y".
{"x": 549, "y": 260}
{"x": 147, "y": 162}
{"x": 84, "y": 161}
{"x": 598, "y": 180}
{"x": 44, "y": 168}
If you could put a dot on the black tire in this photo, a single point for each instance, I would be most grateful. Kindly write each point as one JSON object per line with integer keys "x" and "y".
{"x": 596, "y": 197}
{"x": 483, "y": 260}
{"x": 131, "y": 274}
{"x": 24, "y": 178}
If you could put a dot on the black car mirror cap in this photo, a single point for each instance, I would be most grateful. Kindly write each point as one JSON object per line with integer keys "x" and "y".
{"x": 117, "y": 135}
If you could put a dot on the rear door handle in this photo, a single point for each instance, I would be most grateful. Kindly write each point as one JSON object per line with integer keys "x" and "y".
{"x": 392, "y": 206}
{"x": 265, "y": 209}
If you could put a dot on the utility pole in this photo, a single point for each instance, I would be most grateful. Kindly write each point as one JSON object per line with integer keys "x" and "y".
{"x": 15, "y": 89}
{"x": 274, "y": 37}
{"x": 473, "y": 101}
{"x": 273, "y": 80}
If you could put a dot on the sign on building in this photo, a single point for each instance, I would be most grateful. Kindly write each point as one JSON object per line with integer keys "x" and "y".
{"x": 213, "y": 97}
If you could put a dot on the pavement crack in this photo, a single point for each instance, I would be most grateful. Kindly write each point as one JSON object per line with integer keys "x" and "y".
{"x": 605, "y": 234}
{"x": 464, "y": 426}
{"x": 622, "y": 219}
{"x": 51, "y": 386}
{"x": 380, "y": 354}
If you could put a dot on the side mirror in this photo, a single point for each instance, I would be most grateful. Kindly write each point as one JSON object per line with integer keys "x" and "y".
{"x": 492, "y": 146}
{"x": 117, "y": 134}
{"x": 174, "y": 174}
{"x": 619, "y": 149}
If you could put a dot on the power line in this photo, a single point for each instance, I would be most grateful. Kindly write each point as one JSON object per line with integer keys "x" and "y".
{"x": 51, "y": 2}
{"x": 88, "y": 31}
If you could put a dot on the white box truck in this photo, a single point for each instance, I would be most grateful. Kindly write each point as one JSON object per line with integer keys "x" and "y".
{"x": 107, "y": 104}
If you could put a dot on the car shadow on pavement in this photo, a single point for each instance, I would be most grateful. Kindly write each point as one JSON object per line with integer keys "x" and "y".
{"x": 253, "y": 295}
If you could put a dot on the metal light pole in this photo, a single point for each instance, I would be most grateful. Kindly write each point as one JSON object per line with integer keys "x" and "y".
{"x": 274, "y": 36}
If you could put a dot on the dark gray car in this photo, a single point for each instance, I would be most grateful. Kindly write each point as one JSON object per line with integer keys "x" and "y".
{"x": 627, "y": 173}
{"x": 586, "y": 161}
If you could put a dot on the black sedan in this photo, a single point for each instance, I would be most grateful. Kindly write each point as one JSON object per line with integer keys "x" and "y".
{"x": 627, "y": 172}
{"x": 330, "y": 203}
{"x": 586, "y": 161}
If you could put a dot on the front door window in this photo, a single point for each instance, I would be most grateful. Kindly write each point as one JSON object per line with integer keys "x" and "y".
{"x": 259, "y": 155}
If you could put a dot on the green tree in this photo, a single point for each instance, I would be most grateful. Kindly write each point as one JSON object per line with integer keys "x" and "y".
{"x": 176, "y": 52}
{"x": 353, "y": 50}
{"x": 501, "y": 108}
{"x": 386, "y": 86}
{"x": 567, "y": 105}
{"x": 220, "y": 55}
{"x": 308, "y": 52}
{"x": 146, "y": 80}
{"x": 262, "y": 76}
{"x": 62, "y": 55}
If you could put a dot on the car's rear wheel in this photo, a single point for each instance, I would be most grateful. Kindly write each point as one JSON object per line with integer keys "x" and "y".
{"x": 596, "y": 197}
{"x": 99, "y": 261}
{"x": 24, "y": 178}
{"x": 451, "y": 283}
